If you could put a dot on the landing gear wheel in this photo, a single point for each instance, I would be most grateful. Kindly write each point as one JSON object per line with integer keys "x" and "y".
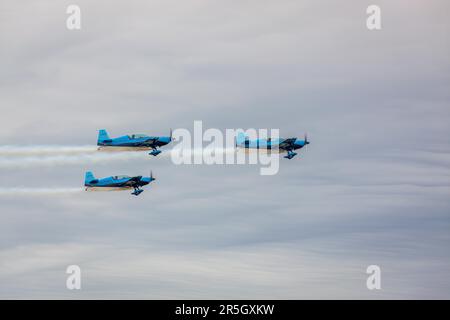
{"x": 137, "y": 192}
{"x": 155, "y": 152}
{"x": 290, "y": 154}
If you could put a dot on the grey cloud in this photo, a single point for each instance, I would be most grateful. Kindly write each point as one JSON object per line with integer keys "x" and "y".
{"x": 371, "y": 188}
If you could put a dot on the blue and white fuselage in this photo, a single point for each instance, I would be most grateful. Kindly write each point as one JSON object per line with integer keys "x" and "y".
{"x": 116, "y": 183}
{"x": 133, "y": 142}
{"x": 278, "y": 145}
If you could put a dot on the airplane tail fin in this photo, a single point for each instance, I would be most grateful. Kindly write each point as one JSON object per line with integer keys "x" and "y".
{"x": 103, "y": 136}
{"x": 88, "y": 177}
{"x": 241, "y": 137}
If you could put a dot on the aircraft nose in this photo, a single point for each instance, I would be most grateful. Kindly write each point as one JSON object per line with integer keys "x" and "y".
{"x": 147, "y": 180}
{"x": 301, "y": 143}
{"x": 164, "y": 139}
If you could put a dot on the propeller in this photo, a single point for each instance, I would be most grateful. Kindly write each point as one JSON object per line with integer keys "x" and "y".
{"x": 151, "y": 176}
{"x": 170, "y": 135}
{"x": 306, "y": 139}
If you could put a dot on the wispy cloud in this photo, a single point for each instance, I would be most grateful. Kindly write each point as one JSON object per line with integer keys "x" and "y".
{"x": 373, "y": 187}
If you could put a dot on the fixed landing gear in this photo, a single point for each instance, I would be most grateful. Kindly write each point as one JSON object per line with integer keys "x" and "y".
{"x": 155, "y": 152}
{"x": 137, "y": 191}
{"x": 290, "y": 154}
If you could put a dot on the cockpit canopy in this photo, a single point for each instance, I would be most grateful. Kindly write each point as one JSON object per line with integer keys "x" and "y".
{"x": 120, "y": 177}
{"x": 137, "y": 136}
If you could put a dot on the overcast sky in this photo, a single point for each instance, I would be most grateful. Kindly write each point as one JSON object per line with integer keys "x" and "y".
{"x": 371, "y": 188}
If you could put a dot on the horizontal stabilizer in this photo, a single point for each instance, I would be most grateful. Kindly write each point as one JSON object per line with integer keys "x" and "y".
{"x": 88, "y": 177}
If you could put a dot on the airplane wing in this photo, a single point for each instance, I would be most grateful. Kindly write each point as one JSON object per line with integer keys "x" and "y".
{"x": 150, "y": 141}
{"x": 131, "y": 182}
{"x": 287, "y": 144}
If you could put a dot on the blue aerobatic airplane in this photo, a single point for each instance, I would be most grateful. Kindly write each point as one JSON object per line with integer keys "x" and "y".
{"x": 116, "y": 183}
{"x": 133, "y": 142}
{"x": 274, "y": 145}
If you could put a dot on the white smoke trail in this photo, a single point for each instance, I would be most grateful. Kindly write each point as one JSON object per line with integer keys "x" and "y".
{"x": 50, "y": 161}
{"x": 49, "y": 156}
{"x": 45, "y": 150}
{"x": 49, "y": 150}
{"x": 19, "y": 191}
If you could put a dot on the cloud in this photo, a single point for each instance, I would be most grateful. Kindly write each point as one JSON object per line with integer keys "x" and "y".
{"x": 371, "y": 188}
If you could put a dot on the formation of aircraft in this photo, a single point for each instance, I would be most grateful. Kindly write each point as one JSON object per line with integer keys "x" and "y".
{"x": 280, "y": 145}
{"x": 116, "y": 183}
{"x": 132, "y": 142}
{"x": 139, "y": 142}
